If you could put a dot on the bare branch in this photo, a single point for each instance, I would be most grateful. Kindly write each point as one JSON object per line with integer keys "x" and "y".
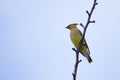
{"x": 88, "y": 13}
{"x": 82, "y": 25}
{"x": 74, "y": 49}
{"x": 92, "y": 21}
{"x": 88, "y": 20}
{"x": 81, "y": 42}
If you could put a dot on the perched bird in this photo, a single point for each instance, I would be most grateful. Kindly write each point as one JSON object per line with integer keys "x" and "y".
{"x": 76, "y": 37}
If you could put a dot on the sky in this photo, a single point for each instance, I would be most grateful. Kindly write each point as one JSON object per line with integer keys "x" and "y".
{"x": 34, "y": 44}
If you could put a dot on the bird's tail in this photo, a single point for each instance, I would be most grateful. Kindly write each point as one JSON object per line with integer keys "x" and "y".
{"x": 89, "y": 58}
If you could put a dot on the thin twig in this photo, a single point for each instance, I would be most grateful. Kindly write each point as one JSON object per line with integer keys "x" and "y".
{"x": 81, "y": 41}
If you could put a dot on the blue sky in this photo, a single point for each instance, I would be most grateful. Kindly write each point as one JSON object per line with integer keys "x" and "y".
{"x": 34, "y": 44}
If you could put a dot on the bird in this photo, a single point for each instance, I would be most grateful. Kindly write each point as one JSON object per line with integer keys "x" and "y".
{"x": 76, "y": 37}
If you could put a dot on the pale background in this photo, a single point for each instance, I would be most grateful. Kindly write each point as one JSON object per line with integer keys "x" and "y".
{"x": 34, "y": 44}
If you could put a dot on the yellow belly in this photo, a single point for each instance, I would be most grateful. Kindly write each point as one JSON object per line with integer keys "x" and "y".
{"x": 75, "y": 37}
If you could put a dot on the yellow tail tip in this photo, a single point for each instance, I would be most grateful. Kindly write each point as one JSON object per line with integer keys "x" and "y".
{"x": 90, "y": 62}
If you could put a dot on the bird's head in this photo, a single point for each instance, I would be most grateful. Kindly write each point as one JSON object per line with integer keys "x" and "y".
{"x": 72, "y": 26}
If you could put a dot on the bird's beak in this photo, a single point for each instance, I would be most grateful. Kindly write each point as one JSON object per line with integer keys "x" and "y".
{"x": 67, "y": 27}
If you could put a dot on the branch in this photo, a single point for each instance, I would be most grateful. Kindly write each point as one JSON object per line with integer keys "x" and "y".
{"x": 76, "y": 63}
{"x": 88, "y": 21}
{"x": 81, "y": 41}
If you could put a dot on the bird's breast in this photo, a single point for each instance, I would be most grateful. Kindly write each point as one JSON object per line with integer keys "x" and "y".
{"x": 75, "y": 37}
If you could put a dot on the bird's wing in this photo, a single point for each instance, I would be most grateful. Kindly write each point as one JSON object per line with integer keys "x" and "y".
{"x": 88, "y": 50}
